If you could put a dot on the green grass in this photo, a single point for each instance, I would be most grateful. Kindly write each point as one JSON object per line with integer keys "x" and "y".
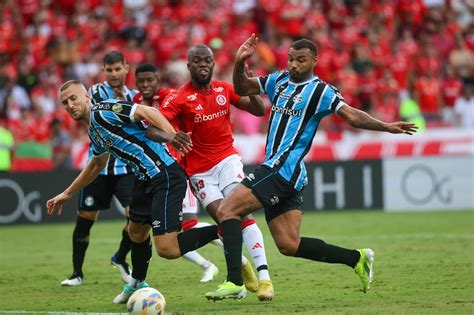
{"x": 423, "y": 265}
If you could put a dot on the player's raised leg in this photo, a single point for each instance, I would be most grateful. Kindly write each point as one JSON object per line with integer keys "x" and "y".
{"x": 285, "y": 230}
{"x": 190, "y": 220}
{"x": 209, "y": 270}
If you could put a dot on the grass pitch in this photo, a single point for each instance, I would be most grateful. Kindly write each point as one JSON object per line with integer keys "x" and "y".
{"x": 423, "y": 265}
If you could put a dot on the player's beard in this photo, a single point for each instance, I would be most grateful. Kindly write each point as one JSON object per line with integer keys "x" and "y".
{"x": 202, "y": 81}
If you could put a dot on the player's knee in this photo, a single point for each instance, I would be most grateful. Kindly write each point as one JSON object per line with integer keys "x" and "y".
{"x": 227, "y": 211}
{"x": 82, "y": 229}
{"x": 168, "y": 252}
{"x": 138, "y": 235}
{"x": 288, "y": 247}
{"x": 88, "y": 215}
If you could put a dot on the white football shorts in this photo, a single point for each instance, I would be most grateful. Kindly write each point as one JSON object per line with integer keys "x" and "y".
{"x": 209, "y": 186}
{"x": 190, "y": 202}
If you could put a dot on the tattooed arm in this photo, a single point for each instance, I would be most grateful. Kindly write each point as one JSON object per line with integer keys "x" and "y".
{"x": 362, "y": 120}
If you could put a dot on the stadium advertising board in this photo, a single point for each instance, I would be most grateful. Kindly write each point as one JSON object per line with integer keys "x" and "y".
{"x": 342, "y": 185}
{"x": 23, "y": 198}
{"x": 429, "y": 183}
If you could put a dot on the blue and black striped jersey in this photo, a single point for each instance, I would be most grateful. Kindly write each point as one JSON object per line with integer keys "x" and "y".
{"x": 112, "y": 129}
{"x": 101, "y": 92}
{"x": 297, "y": 109}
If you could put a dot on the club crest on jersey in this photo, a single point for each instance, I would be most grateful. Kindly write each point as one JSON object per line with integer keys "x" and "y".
{"x": 297, "y": 98}
{"x": 221, "y": 100}
{"x": 89, "y": 201}
{"x": 117, "y": 108}
{"x": 192, "y": 97}
{"x": 218, "y": 89}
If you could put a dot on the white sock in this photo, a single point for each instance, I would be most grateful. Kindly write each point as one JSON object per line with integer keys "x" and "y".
{"x": 253, "y": 240}
{"x": 196, "y": 258}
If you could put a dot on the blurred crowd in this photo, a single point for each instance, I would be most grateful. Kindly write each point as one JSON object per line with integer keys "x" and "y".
{"x": 408, "y": 59}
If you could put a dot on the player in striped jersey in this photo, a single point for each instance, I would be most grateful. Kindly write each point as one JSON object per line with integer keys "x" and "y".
{"x": 147, "y": 80}
{"x": 299, "y": 101}
{"x": 115, "y": 179}
{"x": 115, "y": 128}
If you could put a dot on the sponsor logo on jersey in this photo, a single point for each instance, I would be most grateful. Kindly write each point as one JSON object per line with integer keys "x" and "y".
{"x": 198, "y": 107}
{"x": 192, "y": 97}
{"x": 108, "y": 143}
{"x": 250, "y": 177}
{"x": 101, "y": 106}
{"x": 200, "y": 118}
{"x": 221, "y": 100}
{"x": 117, "y": 108}
{"x": 286, "y": 111}
{"x": 156, "y": 224}
{"x": 218, "y": 89}
{"x": 169, "y": 99}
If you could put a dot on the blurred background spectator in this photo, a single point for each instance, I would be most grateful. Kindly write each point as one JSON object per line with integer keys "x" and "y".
{"x": 393, "y": 58}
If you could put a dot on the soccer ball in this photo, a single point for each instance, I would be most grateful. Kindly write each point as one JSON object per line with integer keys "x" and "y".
{"x": 146, "y": 301}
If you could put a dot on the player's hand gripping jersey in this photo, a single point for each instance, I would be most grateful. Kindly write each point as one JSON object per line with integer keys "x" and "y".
{"x": 205, "y": 113}
{"x": 156, "y": 103}
{"x": 113, "y": 129}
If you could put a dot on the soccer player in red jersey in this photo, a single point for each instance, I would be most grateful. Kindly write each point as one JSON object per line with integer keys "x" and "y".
{"x": 202, "y": 106}
{"x": 147, "y": 80}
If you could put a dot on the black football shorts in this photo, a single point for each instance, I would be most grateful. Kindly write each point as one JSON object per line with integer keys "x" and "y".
{"x": 273, "y": 191}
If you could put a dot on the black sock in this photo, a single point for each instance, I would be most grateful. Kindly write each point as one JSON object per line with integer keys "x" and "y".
{"x": 316, "y": 249}
{"x": 232, "y": 238}
{"x": 124, "y": 247}
{"x": 141, "y": 255}
{"x": 193, "y": 239}
{"x": 80, "y": 242}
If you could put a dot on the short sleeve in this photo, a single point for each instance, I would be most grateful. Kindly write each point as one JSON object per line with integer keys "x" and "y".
{"x": 99, "y": 93}
{"x": 268, "y": 83}
{"x": 233, "y": 97}
{"x": 331, "y": 99}
{"x": 170, "y": 107}
{"x": 114, "y": 112}
{"x": 97, "y": 149}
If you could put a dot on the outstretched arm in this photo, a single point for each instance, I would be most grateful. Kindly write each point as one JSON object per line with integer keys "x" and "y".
{"x": 87, "y": 175}
{"x": 360, "y": 119}
{"x": 244, "y": 85}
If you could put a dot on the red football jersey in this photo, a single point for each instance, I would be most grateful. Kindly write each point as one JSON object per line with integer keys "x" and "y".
{"x": 205, "y": 113}
{"x": 156, "y": 103}
{"x": 157, "y": 99}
